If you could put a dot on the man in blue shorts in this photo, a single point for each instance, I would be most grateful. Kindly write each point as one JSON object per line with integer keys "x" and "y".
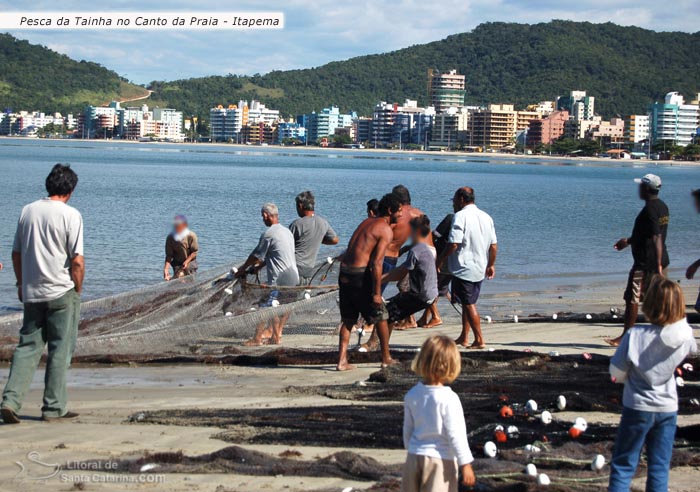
{"x": 471, "y": 256}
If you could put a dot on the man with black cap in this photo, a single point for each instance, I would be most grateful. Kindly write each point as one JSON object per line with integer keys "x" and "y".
{"x": 181, "y": 248}
{"x": 693, "y": 268}
{"x": 648, "y": 243}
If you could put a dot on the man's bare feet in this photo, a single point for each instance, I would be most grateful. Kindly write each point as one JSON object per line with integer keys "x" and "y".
{"x": 462, "y": 341}
{"x": 253, "y": 343}
{"x": 344, "y": 366}
{"x": 435, "y": 322}
{"x": 423, "y": 320}
{"x": 477, "y": 346}
{"x": 389, "y": 362}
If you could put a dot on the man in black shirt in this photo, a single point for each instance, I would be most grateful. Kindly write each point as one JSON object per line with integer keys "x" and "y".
{"x": 648, "y": 243}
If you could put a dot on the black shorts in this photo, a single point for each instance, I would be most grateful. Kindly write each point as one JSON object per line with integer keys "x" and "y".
{"x": 403, "y": 305}
{"x": 444, "y": 280}
{"x": 356, "y": 290}
{"x": 464, "y": 291}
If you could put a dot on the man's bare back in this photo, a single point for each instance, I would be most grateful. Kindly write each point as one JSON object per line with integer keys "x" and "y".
{"x": 402, "y": 230}
{"x": 362, "y": 248}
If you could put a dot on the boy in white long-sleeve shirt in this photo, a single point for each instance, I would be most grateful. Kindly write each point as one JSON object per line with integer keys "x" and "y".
{"x": 434, "y": 431}
{"x": 645, "y": 362}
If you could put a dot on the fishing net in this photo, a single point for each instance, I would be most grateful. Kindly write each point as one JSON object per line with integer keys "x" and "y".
{"x": 190, "y": 314}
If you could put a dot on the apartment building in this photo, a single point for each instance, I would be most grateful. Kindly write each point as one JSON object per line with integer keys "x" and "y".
{"x": 450, "y": 128}
{"x": 548, "y": 129}
{"x": 636, "y": 128}
{"x": 401, "y": 124}
{"x": 446, "y": 89}
{"x": 674, "y": 121}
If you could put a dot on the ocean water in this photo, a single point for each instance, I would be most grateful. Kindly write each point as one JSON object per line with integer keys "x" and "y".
{"x": 554, "y": 218}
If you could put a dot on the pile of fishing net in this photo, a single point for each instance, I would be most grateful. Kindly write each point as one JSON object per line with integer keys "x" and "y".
{"x": 184, "y": 315}
{"x": 530, "y": 408}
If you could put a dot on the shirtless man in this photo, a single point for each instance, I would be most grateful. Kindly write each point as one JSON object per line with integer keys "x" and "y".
{"x": 402, "y": 231}
{"x": 360, "y": 279}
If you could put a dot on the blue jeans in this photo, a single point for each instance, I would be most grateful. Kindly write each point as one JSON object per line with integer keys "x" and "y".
{"x": 656, "y": 430}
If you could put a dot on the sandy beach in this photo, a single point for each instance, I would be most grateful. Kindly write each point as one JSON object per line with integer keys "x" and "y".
{"x": 505, "y": 157}
{"x": 106, "y": 396}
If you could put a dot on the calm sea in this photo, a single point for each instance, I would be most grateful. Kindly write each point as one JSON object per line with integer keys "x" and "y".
{"x": 554, "y": 219}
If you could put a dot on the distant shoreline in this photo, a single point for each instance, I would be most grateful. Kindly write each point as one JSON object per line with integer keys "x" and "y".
{"x": 450, "y": 153}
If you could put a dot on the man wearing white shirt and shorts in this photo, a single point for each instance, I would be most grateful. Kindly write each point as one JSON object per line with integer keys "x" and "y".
{"x": 471, "y": 256}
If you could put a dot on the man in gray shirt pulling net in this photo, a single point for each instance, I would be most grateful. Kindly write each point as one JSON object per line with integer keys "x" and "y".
{"x": 422, "y": 274}
{"x": 47, "y": 256}
{"x": 309, "y": 231}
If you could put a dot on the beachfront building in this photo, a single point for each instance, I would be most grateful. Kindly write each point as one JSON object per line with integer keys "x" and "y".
{"x": 446, "y": 89}
{"x": 289, "y": 131}
{"x": 138, "y": 123}
{"x": 607, "y": 132}
{"x": 99, "y": 121}
{"x": 636, "y": 129}
{"x": 363, "y": 130}
{"x": 548, "y": 129}
{"x": 258, "y": 133}
{"x": 130, "y": 123}
{"x": 226, "y": 123}
{"x": 323, "y": 124}
{"x": 450, "y": 128}
{"x": 543, "y": 108}
{"x": 496, "y": 126}
{"x": 28, "y": 123}
{"x": 579, "y": 105}
{"x": 674, "y": 121}
{"x": 394, "y": 124}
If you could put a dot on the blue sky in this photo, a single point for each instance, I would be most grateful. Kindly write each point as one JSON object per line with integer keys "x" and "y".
{"x": 319, "y": 31}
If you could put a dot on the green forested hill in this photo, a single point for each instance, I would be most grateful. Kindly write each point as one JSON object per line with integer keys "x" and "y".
{"x": 625, "y": 68}
{"x": 33, "y": 77}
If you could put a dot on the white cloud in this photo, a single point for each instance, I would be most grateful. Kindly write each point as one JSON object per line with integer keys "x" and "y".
{"x": 322, "y": 30}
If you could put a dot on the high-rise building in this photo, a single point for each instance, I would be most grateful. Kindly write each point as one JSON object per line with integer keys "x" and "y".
{"x": 446, "y": 89}
{"x": 546, "y": 130}
{"x": 607, "y": 132}
{"x": 225, "y": 123}
{"x": 450, "y": 128}
{"x": 363, "y": 130}
{"x": 674, "y": 121}
{"x": 636, "y": 128}
{"x": 290, "y": 131}
{"x": 324, "y": 123}
{"x": 496, "y": 126}
{"x": 394, "y": 124}
{"x": 579, "y": 105}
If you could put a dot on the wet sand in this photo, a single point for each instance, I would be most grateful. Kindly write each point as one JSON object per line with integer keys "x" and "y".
{"x": 106, "y": 396}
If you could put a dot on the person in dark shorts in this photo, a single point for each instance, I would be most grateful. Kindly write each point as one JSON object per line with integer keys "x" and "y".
{"x": 421, "y": 272}
{"x": 440, "y": 234}
{"x": 648, "y": 244}
{"x": 471, "y": 255}
{"x": 360, "y": 279}
{"x": 693, "y": 268}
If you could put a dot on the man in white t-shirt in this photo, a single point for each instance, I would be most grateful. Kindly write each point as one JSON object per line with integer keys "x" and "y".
{"x": 47, "y": 256}
{"x": 471, "y": 256}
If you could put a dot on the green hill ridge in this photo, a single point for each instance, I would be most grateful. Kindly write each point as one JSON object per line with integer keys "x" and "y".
{"x": 625, "y": 68}
{"x": 33, "y": 77}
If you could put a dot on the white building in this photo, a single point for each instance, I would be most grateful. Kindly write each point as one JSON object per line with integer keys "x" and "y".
{"x": 674, "y": 120}
{"x": 636, "y": 128}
